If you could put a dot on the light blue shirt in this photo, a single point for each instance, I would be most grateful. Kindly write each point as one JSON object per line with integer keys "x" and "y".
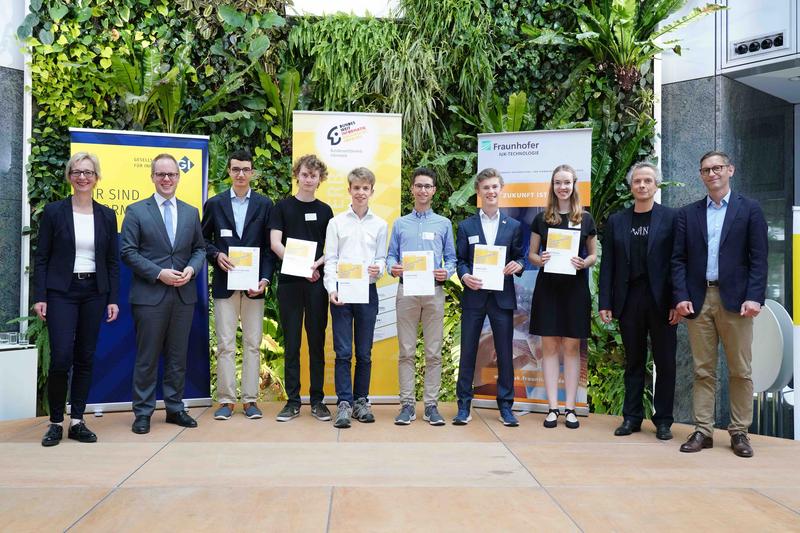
{"x": 239, "y": 206}
{"x": 422, "y": 232}
{"x": 715, "y": 217}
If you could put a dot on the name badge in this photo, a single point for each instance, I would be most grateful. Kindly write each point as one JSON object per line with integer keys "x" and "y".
{"x": 225, "y": 233}
{"x": 311, "y": 217}
{"x": 473, "y": 239}
{"x": 574, "y": 226}
{"x": 428, "y": 235}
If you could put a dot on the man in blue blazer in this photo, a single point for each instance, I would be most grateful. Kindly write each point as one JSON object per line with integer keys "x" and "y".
{"x": 163, "y": 245}
{"x": 719, "y": 278}
{"x": 488, "y": 227}
{"x": 238, "y": 217}
{"x": 636, "y": 289}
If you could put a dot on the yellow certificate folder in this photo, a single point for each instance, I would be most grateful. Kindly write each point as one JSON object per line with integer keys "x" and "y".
{"x": 415, "y": 262}
{"x": 349, "y": 271}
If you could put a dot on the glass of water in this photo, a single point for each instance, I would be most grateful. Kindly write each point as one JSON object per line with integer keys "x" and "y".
{"x": 4, "y": 338}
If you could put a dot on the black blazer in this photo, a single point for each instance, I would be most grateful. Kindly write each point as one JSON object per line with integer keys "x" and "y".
{"x": 218, "y": 216}
{"x": 615, "y": 261}
{"x": 509, "y": 235}
{"x": 742, "y": 254}
{"x": 55, "y": 252}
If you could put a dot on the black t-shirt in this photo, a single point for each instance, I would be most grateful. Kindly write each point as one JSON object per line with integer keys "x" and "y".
{"x": 587, "y": 229}
{"x": 640, "y": 227}
{"x": 301, "y": 220}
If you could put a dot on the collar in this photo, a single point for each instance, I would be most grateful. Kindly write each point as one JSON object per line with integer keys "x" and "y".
{"x": 486, "y": 217}
{"x": 424, "y": 214}
{"x": 725, "y": 200}
{"x": 160, "y": 200}
{"x": 233, "y": 194}
{"x": 366, "y": 215}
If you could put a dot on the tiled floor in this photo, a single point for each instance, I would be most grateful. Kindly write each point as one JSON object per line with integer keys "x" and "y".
{"x": 304, "y": 475}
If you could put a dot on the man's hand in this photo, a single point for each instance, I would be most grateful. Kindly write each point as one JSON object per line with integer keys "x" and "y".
{"x": 674, "y": 317}
{"x": 334, "y": 298}
{"x": 439, "y": 274}
{"x": 472, "y": 282}
{"x": 185, "y": 277}
{"x": 112, "y": 311}
{"x": 262, "y": 285}
{"x": 750, "y": 308}
{"x": 41, "y": 310}
{"x": 684, "y": 308}
{"x": 397, "y": 270}
{"x": 373, "y": 271}
{"x": 170, "y": 277}
{"x": 606, "y": 315}
{"x": 224, "y": 262}
{"x": 511, "y": 268}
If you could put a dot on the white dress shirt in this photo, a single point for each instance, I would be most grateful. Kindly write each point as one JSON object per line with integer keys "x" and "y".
{"x": 354, "y": 239}
{"x": 174, "y": 203}
{"x": 490, "y": 226}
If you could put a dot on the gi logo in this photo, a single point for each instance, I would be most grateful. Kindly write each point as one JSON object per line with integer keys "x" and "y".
{"x": 185, "y": 164}
{"x": 334, "y": 136}
{"x": 486, "y": 146}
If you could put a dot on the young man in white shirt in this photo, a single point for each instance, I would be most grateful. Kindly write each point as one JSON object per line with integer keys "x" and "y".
{"x": 356, "y": 236}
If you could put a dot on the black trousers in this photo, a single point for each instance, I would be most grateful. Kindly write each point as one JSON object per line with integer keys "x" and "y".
{"x": 73, "y": 323}
{"x": 640, "y": 318}
{"x": 300, "y": 302}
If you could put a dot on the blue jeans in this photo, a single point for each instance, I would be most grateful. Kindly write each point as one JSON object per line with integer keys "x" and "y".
{"x": 346, "y": 319}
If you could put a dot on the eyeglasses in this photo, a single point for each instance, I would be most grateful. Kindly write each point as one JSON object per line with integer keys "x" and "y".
{"x": 79, "y": 173}
{"x": 162, "y": 175}
{"x": 236, "y": 170}
{"x": 424, "y": 186}
{"x": 716, "y": 169}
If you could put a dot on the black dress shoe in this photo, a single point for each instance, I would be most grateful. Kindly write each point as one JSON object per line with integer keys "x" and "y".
{"x": 626, "y": 428}
{"x": 740, "y": 444}
{"x": 663, "y": 432}
{"x": 81, "y": 433}
{"x": 696, "y": 442}
{"x": 181, "y": 418}
{"x": 141, "y": 425}
{"x": 53, "y": 435}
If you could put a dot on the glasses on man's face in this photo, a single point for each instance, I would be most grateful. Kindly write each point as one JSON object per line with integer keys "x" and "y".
{"x": 236, "y": 170}
{"x": 716, "y": 169}
{"x": 162, "y": 175}
{"x": 423, "y": 186}
{"x": 78, "y": 173}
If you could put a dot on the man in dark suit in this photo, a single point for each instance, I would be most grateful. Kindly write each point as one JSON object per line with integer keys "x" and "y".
{"x": 635, "y": 288}
{"x": 488, "y": 227}
{"x": 238, "y": 217}
{"x": 719, "y": 279}
{"x": 163, "y": 245}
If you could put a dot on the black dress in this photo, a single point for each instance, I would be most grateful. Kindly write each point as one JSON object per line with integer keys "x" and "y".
{"x": 561, "y": 302}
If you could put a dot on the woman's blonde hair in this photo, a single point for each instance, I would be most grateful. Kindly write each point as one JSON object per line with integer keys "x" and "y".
{"x": 80, "y": 156}
{"x": 551, "y": 214}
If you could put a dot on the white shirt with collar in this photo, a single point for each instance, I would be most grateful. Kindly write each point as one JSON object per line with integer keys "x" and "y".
{"x": 490, "y": 225}
{"x": 354, "y": 239}
{"x": 174, "y": 203}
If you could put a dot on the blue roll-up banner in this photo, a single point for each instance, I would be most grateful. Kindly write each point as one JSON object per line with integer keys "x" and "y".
{"x": 125, "y": 169}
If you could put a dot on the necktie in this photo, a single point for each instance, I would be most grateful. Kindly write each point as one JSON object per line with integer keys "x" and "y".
{"x": 168, "y": 221}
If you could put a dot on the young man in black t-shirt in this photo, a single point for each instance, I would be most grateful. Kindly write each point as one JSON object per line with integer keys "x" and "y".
{"x": 303, "y": 216}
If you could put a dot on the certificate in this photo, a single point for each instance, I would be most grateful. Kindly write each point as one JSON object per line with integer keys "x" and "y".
{"x": 298, "y": 258}
{"x": 353, "y": 282}
{"x": 563, "y": 246}
{"x": 418, "y": 274}
{"x": 488, "y": 264}
{"x": 245, "y": 273}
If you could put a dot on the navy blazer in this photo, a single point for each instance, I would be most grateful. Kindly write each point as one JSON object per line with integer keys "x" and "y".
{"x": 615, "y": 261}
{"x": 145, "y": 248}
{"x": 218, "y": 216}
{"x": 509, "y": 234}
{"x": 55, "y": 252}
{"x": 742, "y": 254}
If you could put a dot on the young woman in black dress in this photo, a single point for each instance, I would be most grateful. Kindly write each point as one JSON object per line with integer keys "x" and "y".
{"x": 561, "y": 302}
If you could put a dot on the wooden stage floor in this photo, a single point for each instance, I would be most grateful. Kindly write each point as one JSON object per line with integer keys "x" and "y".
{"x": 304, "y": 475}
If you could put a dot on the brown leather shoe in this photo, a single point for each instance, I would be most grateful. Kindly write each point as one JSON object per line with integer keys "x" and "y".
{"x": 696, "y": 442}
{"x": 741, "y": 445}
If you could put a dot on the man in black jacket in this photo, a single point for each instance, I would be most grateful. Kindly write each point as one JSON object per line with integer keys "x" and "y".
{"x": 635, "y": 288}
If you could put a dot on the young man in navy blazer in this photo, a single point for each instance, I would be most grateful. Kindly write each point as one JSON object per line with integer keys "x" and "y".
{"x": 636, "y": 289}
{"x": 238, "y": 217}
{"x": 719, "y": 279}
{"x": 488, "y": 227}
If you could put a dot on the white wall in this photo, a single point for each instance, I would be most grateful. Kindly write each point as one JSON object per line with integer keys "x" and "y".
{"x": 13, "y": 12}
{"x": 698, "y": 41}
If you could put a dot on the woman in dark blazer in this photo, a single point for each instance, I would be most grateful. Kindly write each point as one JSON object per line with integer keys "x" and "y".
{"x": 76, "y": 281}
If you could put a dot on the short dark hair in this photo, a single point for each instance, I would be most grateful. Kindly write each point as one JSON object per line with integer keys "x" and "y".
{"x": 423, "y": 171}
{"x": 312, "y": 163}
{"x": 240, "y": 155}
{"x": 716, "y": 153}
